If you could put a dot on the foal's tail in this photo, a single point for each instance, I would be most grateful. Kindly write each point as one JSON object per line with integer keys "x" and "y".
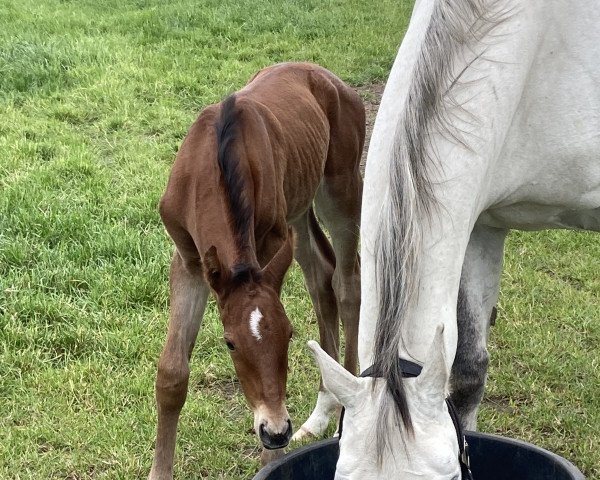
{"x": 319, "y": 237}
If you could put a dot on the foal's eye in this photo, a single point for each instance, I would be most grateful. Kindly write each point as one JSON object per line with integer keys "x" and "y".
{"x": 230, "y": 345}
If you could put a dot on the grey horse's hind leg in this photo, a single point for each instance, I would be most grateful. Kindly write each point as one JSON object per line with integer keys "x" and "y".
{"x": 477, "y": 298}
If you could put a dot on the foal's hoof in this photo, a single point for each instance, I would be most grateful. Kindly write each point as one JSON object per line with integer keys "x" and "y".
{"x": 267, "y": 456}
{"x": 303, "y": 434}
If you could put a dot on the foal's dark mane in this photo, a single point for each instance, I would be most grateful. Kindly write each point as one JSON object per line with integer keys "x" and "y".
{"x": 241, "y": 210}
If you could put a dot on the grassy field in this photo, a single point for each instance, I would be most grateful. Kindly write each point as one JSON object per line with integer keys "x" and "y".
{"x": 95, "y": 97}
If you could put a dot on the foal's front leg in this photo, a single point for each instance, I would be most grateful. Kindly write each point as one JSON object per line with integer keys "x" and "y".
{"x": 188, "y": 296}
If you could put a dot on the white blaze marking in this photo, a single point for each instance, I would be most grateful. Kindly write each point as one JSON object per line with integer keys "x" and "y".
{"x": 255, "y": 318}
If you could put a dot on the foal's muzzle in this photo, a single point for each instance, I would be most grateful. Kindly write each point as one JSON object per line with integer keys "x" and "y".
{"x": 275, "y": 441}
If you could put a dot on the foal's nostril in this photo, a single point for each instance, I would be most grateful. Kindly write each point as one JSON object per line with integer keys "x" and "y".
{"x": 277, "y": 440}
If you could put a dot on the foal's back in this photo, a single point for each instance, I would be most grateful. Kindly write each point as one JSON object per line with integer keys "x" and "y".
{"x": 299, "y": 110}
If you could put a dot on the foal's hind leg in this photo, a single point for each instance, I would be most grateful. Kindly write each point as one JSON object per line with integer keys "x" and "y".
{"x": 338, "y": 204}
{"x": 316, "y": 258}
{"x": 188, "y": 297}
{"x": 478, "y": 294}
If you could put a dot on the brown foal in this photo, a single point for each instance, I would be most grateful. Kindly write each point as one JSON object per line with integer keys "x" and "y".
{"x": 250, "y": 168}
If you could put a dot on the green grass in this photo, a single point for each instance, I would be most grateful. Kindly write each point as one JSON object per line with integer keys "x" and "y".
{"x": 544, "y": 382}
{"x": 95, "y": 98}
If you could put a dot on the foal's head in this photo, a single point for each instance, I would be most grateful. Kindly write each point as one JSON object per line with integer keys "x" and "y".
{"x": 257, "y": 333}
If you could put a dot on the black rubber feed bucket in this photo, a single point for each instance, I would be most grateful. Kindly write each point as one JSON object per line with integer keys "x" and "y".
{"x": 492, "y": 458}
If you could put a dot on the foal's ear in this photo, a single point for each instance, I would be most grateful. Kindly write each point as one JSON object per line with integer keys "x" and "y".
{"x": 339, "y": 381}
{"x": 212, "y": 269}
{"x": 433, "y": 380}
{"x": 274, "y": 272}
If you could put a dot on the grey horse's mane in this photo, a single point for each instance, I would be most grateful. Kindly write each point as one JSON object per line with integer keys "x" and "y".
{"x": 456, "y": 28}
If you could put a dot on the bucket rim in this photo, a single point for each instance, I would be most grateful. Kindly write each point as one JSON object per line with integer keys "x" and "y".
{"x": 569, "y": 467}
